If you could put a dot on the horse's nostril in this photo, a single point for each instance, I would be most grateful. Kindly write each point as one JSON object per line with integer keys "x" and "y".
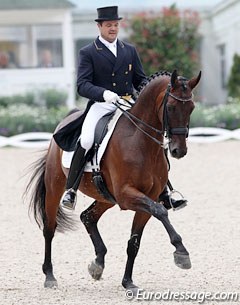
{"x": 178, "y": 153}
{"x": 174, "y": 152}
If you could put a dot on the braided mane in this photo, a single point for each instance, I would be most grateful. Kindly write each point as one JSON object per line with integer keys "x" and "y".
{"x": 150, "y": 78}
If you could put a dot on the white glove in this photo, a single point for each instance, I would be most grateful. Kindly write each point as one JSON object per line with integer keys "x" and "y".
{"x": 110, "y": 97}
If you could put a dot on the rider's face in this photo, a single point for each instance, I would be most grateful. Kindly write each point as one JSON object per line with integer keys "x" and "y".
{"x": 109, "y": 30}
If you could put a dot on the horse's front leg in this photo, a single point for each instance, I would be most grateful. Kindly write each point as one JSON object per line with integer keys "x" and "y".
{"x": 135, "y": 200}
{"x": 139, "y": 222}
{"x": 181, "y": 255}
{"x": 90, "y": 217}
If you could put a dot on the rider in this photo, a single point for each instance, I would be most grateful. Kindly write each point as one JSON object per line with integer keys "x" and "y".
{"x": 108, "y": 69}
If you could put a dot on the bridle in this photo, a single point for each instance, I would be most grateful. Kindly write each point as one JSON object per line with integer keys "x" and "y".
{"x": 167, "y": 130}
{"x": 176, "y": 130}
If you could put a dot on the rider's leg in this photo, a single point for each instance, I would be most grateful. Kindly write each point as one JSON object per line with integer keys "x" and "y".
{"x": 165, "y": 199}
{"x": 75, "y": 173}
{"x": 80, "y": 157}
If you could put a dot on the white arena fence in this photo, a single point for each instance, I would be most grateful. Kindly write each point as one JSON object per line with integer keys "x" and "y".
{"x": 196, "y": 135}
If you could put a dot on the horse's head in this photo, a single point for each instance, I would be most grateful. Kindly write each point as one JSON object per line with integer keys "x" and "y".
{"x": 178, "y": 106}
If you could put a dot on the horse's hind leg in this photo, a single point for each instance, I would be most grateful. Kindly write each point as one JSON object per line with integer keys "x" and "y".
{"x": 139, "y": 222}
{"x": 48, "y": 233}
{"x": 90, "y": 217}
{"x": 54, "y": 183}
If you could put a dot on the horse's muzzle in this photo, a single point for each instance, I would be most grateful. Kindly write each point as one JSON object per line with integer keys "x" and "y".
{"x": 177, "y": 152}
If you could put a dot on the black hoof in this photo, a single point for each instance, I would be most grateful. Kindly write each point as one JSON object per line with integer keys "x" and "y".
{"x": 131, "y": 291}
{"x": 95, "y": 270}
{"x": 182, "y": 260}
{"x": 50, "y": 284}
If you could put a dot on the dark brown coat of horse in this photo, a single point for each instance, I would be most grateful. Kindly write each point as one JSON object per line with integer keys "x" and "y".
{"x": 134, "y": 168}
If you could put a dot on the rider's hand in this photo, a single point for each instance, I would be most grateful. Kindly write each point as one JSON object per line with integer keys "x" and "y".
{"x": 110, "y": 97}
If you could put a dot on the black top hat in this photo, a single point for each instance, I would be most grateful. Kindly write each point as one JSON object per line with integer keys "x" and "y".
{"x": 108, "y": 13}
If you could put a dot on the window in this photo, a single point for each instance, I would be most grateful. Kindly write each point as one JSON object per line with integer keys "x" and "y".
{"x": 222, "y": 57}
{"x": 31, "y": 46}
{"x": 79, "y": 43}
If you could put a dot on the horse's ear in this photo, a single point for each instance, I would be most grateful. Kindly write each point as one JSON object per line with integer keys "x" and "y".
{"x": 174, "y": 77}
{"x": 194, "y": 81}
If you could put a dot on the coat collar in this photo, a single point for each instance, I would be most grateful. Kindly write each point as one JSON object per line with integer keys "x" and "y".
{"x": 104, "y": 51}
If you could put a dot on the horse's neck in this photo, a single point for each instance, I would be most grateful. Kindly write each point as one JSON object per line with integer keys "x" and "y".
{"x": 147, "y": 107}
{"x": 146, "y": 110}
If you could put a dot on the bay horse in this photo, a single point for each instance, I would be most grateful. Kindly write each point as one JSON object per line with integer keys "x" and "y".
{"x": 134, "y": 168}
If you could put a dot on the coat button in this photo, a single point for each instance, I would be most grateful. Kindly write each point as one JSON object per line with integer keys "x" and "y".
{"x": 126, "y": 83}
{"x": 114, "y": 84}
{"x": 113, "y": 74}
{"x": 126, "y": 72}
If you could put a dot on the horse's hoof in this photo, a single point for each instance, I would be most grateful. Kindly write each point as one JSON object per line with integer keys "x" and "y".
{"x": 182, "y": 260}
{"x": 132, "y": 292}
{"x": 95, "y": 270}
{"x": 50, "y": 284}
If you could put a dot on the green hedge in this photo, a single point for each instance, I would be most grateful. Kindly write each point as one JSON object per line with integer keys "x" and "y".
{"x": 31, "y": 112}
{"x": 222, "y": 116}
{"x": 22, "y": 118}
{"x": 50, "y": 98}
{"x": 20, "y": 114}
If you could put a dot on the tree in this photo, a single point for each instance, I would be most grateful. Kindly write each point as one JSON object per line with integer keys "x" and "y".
{"x": 234, "y": 78}
{"x": 167, "y": 40}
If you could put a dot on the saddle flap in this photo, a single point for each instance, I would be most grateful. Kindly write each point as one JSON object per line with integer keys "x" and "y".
{"x": 102, "y": 128}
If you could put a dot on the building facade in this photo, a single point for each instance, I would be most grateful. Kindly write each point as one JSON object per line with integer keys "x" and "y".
{"x": 220, "y": 32}
{"x": 36, "y": 47}
{"x": 41, "y": 42}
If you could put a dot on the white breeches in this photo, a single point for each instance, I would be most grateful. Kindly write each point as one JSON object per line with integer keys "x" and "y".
{"x": 96, "y": 111}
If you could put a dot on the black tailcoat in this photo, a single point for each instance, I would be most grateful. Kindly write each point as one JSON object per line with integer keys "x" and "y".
{"x": 100, "y": 70}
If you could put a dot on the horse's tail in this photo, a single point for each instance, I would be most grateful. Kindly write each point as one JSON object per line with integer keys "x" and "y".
{"x": 37, "y": 198}
{"x": 38, "y": 190}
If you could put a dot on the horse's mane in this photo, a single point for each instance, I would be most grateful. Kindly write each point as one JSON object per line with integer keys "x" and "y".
{"x": 150, "y": 78}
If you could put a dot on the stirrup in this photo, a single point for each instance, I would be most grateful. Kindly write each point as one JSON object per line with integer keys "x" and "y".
{"x": 67, "y": 204}
{"x": 182, "y": 198}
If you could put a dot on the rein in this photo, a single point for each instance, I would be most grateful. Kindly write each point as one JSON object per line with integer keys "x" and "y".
{"x": 132, "y": 117}
{"x": 169, "y": 131}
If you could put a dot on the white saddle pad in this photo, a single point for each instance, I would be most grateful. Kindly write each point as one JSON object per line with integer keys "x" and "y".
{"x": 67, "y": 156}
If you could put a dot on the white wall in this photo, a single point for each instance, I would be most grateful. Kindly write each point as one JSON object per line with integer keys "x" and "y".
{"x": 15, "y": 81}
{"x": 219, "y": 27}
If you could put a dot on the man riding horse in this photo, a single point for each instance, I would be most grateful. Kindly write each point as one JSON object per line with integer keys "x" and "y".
{"x": 108, "y": 69}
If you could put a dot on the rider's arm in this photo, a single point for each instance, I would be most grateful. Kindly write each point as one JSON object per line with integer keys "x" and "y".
{"x": 85, "y": 78}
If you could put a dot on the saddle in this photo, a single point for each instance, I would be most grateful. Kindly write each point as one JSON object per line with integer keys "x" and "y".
{"x": 100, "y": 132}
{"x": 67, "y": 134}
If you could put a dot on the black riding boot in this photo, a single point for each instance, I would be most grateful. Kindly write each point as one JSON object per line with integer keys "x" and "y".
{"x": 175, "y": 204}
{"x": 74, "y": 177}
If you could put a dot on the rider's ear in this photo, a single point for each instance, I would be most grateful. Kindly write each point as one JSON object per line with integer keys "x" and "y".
{"x": 194, "y": 81}
{"x": 174, "y": 77}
